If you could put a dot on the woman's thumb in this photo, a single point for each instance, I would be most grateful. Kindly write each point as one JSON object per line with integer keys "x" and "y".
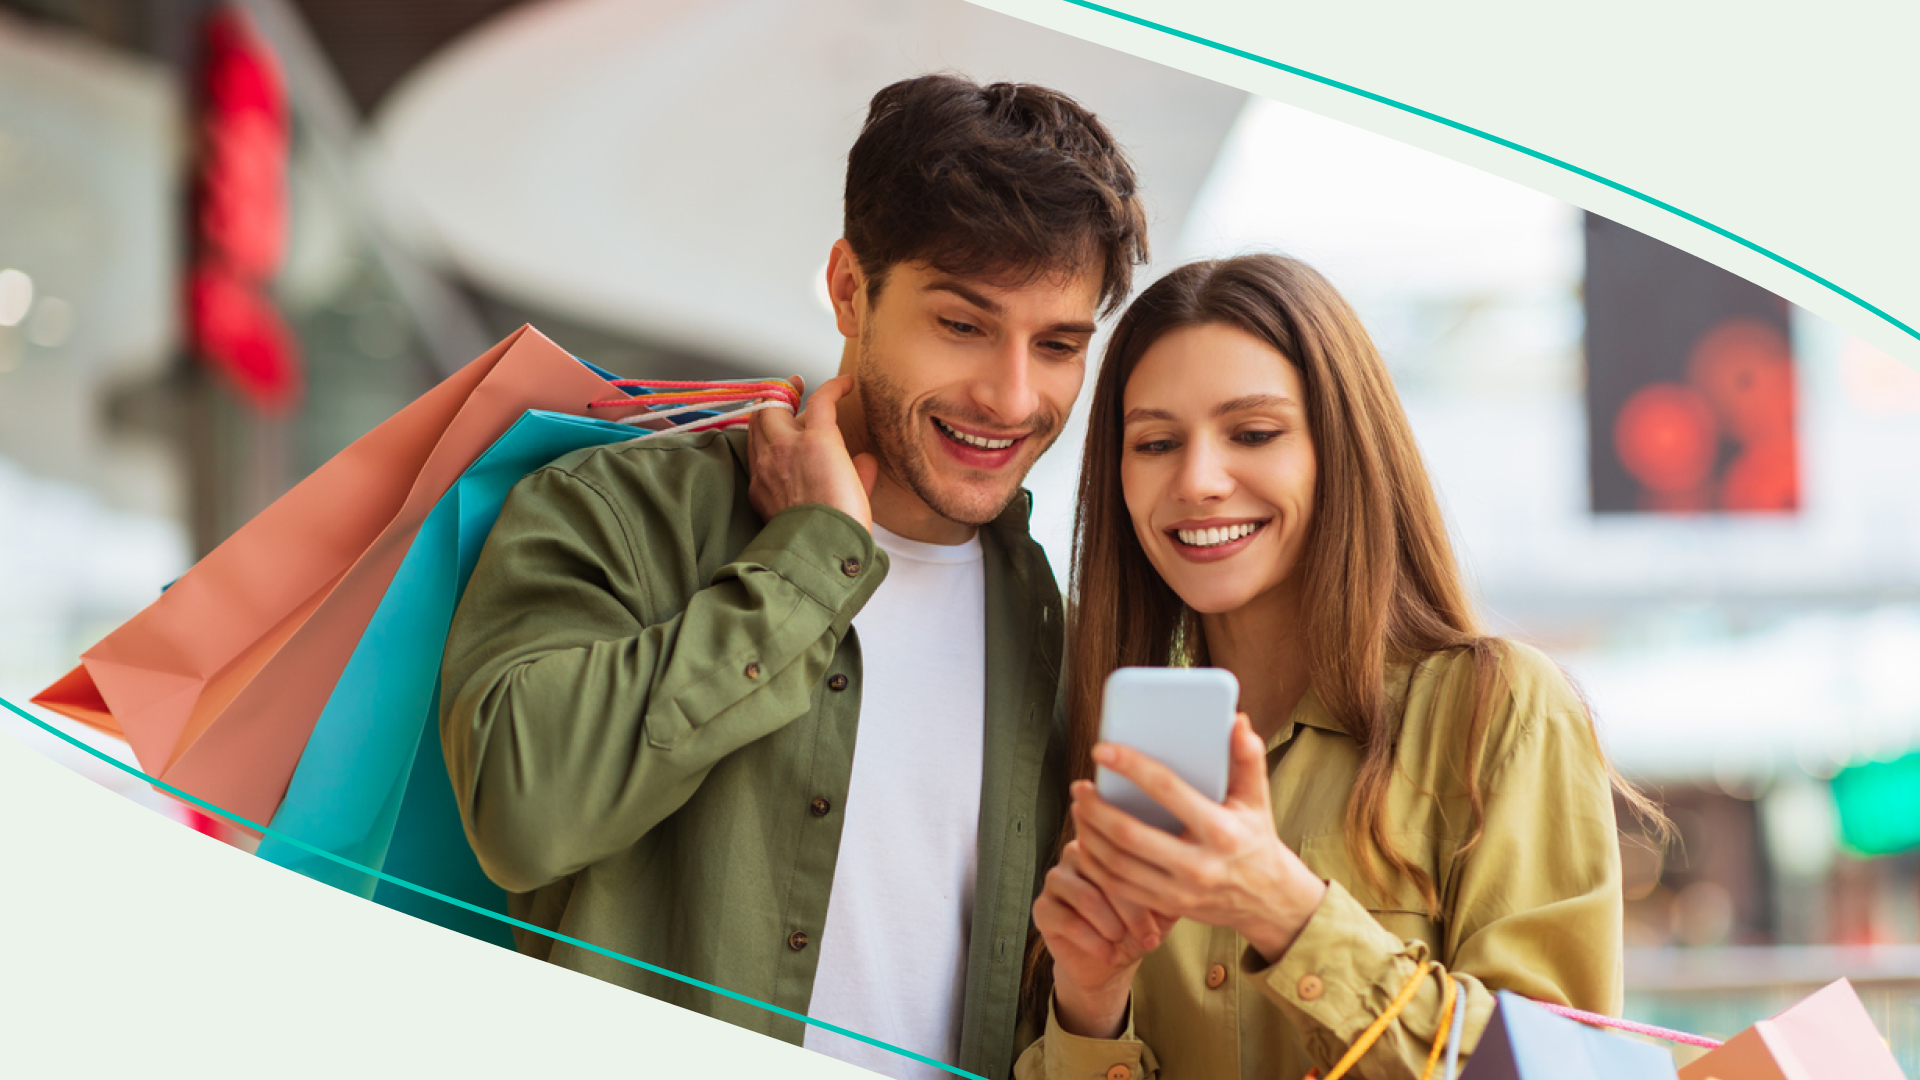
{"x": 1247, "y": 772}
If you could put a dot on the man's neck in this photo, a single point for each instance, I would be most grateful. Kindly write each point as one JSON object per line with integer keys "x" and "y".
{"x": 902, "y": 513}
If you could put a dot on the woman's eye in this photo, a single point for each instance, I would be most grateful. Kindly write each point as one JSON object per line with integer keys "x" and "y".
{"x": 1257, "y": 438}
{"x": 1153, "y": 446}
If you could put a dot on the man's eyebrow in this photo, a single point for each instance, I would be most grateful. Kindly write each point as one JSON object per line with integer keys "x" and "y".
{"x": 971, "y": 296}
{"x": 992, "y": 307}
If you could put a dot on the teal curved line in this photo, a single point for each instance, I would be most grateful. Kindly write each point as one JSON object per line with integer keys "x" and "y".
{"x": 1497, "y": 140}
{"x": 422, "y": 890}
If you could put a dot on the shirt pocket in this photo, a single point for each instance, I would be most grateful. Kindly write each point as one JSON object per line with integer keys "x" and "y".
{"x": 1401, "y": 907}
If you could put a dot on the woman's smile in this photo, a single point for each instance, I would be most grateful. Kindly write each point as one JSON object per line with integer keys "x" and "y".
{"x": 1214, "y": 539}
{"x": 1218, "y": 470}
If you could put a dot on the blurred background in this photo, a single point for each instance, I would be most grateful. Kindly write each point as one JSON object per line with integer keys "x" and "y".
{"x": 233, "y": 238}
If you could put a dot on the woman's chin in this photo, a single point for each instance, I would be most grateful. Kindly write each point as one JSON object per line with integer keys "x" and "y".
{"x": 1212, "y": 601}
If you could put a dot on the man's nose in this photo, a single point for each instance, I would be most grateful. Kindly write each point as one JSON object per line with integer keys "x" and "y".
{"x": 1005, "y": 386}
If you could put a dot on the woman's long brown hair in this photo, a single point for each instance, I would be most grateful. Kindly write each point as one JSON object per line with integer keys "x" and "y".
{"x": 1379, "y": 581}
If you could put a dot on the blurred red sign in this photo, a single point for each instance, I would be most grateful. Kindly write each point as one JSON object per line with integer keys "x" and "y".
{"x": 240, "y": 215}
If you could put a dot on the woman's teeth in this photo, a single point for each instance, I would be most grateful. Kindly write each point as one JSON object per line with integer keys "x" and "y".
{"x": 974, "y": 441}
{"x": 1226, "y": 534}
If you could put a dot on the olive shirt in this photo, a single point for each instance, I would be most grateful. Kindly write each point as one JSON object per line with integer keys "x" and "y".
{"x": 650, "y": 701}
{"x": 1533, "y": 907}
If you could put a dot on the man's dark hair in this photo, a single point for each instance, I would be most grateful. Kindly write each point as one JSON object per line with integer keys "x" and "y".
{"x": 1006, "y": 180}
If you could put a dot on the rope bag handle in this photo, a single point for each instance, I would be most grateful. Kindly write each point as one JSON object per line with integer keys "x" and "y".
{"x": 1453, "y": 1015}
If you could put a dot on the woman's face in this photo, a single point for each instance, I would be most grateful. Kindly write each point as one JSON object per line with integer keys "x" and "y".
{"x": 1217, "y": 465}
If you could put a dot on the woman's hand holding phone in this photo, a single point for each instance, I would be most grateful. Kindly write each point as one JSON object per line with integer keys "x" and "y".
{"x": 1097, "y": 942}
{"x": 1228, "y": 869}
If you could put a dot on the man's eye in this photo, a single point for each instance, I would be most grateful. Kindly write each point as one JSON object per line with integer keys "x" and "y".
{"x": 1061, "y": 348}
{"x": 960, "y": 327}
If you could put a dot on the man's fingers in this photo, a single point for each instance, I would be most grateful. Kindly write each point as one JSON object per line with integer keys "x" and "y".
{"x": 775, "y": 424}
{"x": 820, "y": 407}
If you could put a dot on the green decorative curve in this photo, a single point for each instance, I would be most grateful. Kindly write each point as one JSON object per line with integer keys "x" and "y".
{"x": 1497, "y": 140}
{"x": 574, "y": 941}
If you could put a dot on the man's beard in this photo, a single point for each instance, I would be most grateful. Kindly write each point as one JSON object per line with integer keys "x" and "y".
{"x": 891, "y": 431}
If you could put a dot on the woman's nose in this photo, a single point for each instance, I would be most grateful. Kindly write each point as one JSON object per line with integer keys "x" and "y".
{"x": 1203, "y": 475}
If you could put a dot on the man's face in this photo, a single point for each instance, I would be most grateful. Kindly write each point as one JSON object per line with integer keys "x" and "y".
{"x": 964, "y": 383}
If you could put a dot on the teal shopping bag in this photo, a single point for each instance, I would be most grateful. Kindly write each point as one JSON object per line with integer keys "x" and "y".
{"x": 372, "y": 785}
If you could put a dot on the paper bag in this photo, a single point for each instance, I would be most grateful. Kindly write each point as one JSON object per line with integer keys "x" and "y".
{"x": 217, "y": 684}
{"x": 373, "y": 764}
{"x": 1524, "y": 1041}
{"x": 1827, "y": 1036}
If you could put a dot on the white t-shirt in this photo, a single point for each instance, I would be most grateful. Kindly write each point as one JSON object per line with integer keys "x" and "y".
{"x": 893, "y": 953}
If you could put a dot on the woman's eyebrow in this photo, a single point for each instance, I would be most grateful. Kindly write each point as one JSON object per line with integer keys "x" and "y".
{"x": 1251, "y": 401}
{"x": 1231, "y": 405}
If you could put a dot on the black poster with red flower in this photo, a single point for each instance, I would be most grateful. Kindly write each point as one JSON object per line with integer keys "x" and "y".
{"x": 1690, "y": 383}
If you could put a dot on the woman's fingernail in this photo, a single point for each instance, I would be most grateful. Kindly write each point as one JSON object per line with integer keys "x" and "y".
{"x": 1103, "y": 754}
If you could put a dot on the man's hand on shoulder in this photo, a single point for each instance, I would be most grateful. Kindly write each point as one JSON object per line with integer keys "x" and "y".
{"x": 796, "y": 460}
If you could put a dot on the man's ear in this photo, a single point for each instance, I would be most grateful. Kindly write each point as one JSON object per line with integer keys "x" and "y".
{"x": 847, "y": 288}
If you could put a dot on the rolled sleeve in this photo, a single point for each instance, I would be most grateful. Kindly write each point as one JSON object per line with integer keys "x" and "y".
{"x": 1332, "y": 973}
{"x": 1061, "y": 1055}
{"x": 825, "y": 554}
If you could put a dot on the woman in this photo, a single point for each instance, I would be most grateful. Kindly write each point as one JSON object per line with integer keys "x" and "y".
{"x": 1411, "y": 804}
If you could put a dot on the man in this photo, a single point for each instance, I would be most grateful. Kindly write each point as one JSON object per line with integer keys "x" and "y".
{"x": 654, "y": 683}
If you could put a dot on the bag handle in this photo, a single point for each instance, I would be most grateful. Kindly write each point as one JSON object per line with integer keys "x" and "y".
{"x": 1379, "y": 1026}
{"x": 1453, "y": 1016}
{"x": 1633, "y": 1026}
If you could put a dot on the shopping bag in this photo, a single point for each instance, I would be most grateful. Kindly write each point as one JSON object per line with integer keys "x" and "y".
{"x": 1525, "y": 1041}
{"x": 373, "y": 765}
{"x": 217, "y": 684}
{"x": 1827, "y": 1036}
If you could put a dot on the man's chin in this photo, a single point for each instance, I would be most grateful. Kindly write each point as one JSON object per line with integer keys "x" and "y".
{"x": 970, "y": 503}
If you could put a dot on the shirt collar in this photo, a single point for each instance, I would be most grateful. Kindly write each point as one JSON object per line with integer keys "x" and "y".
{"x": 1312, "y": 712}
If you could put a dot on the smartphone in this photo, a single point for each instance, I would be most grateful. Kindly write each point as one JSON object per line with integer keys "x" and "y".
{"x": 1180, "y": 717}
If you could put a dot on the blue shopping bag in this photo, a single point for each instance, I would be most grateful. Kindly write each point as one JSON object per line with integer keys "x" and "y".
{"x": 1524, "y": 1041}
{"x": 372, "y": 785}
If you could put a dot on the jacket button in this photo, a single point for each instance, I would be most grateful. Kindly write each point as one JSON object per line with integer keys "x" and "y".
{"x": 837, "y": 683}
{"x": 1310, "y": 988}
{"x": 1216, "y": 975}
{"x": 850, "y": 567}
{"x": 1119, "y": 1072}
{"x": 820, "y": 807}
{"x": 796, "y": 941}
{"x": 753, "y": 671}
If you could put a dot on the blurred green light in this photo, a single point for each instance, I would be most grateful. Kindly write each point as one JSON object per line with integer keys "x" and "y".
{"x": 1879, "y": 806}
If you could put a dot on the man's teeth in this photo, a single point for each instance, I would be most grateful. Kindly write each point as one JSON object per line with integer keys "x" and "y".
{"x": 970, "y": 440}
{"x": 1226, "y": 534}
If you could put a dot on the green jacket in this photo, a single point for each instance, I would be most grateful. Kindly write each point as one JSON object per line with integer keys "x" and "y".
{"x": 650, "y": 699}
